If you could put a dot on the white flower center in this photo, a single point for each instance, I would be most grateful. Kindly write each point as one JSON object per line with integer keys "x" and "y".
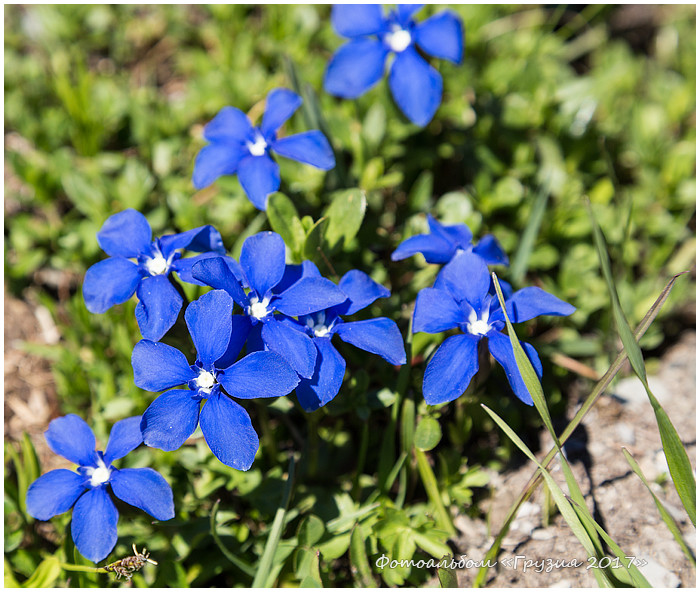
{"x": 157, "y": 265}
{"x": 478, "y": 326}
{"x": 98, "y": 475}
{"x": 257, "y": 148}
{"x": 398, "y": 40}
{"x": 321, "y": 330}
{"x": 258, "y": 309}
{"x": 205, "y": 381}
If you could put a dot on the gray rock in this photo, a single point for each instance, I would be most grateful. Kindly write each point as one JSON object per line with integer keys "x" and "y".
{"x": 657, "y": 575}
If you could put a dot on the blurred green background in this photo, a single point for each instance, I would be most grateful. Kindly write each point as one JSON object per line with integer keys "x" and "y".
{"x": 104, "y": 108}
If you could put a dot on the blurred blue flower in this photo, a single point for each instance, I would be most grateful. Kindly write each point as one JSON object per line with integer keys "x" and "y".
{"x": 127, "y": 235}
{"x": 238, "y": 147}
{"x": 174, "y": 415}
{"x": 359, "y": 64}
{"x": 379, "y": 336}
{"x": 443, "y": 242}
{"x": 94, "y": 524}
{"x": 273, "y": 293}
{"x": 463, "y": 297}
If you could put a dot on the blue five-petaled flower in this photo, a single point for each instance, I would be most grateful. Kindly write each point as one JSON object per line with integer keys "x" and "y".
{"x": 274, "y": 294}
{"x": 174, "y": 415}
{"x": 94, "y": 524}
{"x": 236, "y": 146}
{"x": 379, "y": 336}
{"x": 463, "y": 297}
{"x": 443, "y": 242}
{"x": 127, "y": 235}
{"x": 359, "y": 64}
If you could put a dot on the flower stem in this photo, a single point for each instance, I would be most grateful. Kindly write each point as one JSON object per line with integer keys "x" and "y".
{"x": 85, "y": 568}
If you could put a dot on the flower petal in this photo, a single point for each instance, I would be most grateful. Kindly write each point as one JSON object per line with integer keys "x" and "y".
{"x": 502, "y": 350}
{"x": 183, "y": 267}
{"x": 124, "y": 437}
{"x": 310, "y": 147}
{"x": 94, "y": 524}
{"x": 490, "y": 250}
{"x": 406, "y": 11}
{"x": 295, "y": 347}
{"x": 216, "y": 160}
{"x": 309, "y": 295}
{"x": 158, "y": 366}
{"x": 145, "y": 489}
{"x": 327, "y": 379}
{"x": 240, "y": 328}
{"x": 228, "y": 432}
{"x": 361, "y": 291}
{"x": 355, "y": 20}
{"x": 436, "y": 311}
{"x": 416, "y": 86}
{"x": 258, "y": 375}
{"x": 158, "y": 307}
{"x": 451, "y": 369}
{"x": 259, "y": 176}
{"x": 293, "y": 273}
{"x": 72, "y": 438}
{"x": 126, "y": 234}
{"x": 170, "y": 420}
{"x": 209, "y": 322}
{"x": 54, "y": 493}
{"x": 457, "y": 234}
{"x": 262, "y": 259}
{"x": 200, "y": 240}
{"x": 355, "y": 68}
{"x": 434, "y": 248}
{"x": 229, "y": 125}
{"x": 532, "y": 302}
{"x": 110, "y": 282}
{"x": 379, "y": 336}
{"x": 467, "y": 278}
{"x": 442, "y": 36}
{"x": 216, "y": 272}
{"x": 280, "y": 104}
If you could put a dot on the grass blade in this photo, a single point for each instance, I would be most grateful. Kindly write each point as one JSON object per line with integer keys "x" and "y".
{"x": 678, "y": 462}
{"x": 359, "y": 560}
{"x": 447, "y": 575}
{"x": 598, "y": 390}
{"x": 442, "y": 517}
{"x": 240, "y": 564}
{"x": 527, "y": 240}
{"x": 665, "y": 516}
{"x": 273, "y": 539}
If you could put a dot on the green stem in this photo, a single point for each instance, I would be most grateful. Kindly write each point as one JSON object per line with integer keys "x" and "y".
{"x": 265, "y": 567}
{"x": 443, "y": 519}
{"x": 86, "y": 568}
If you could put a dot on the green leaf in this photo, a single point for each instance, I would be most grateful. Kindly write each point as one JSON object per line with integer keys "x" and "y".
{"x": 678, "y": 462}
{"x": 358, "y": 560}
{"x": 408, "y": 424}
{"x": 344, "y": 523}
{"x": 314, "y": 241}
{"x": 345, "y": 215}
{"x": 442, "y": 517}
{"x": 428, "y": 434}
{"x": 45, "y": 575}
{"x": 310, "y": 530}
{"x": 239, "y": 563}
{"x": 529, "y": 235}
{"x": 447, "y": 575}
{"x": 665, "y": 516}
{"x": 285, "y": 221}
{"x": 421, "y": 191}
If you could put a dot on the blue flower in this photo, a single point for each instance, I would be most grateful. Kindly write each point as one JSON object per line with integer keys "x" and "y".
{"x": 127, "y": 235}
{"x": 359, "y": 64}
{"x": 174, "y": 415}
{"x": 273, "y": 293}
{"x": 238, "y": 147}
{"x": 94, "y": 524}
{"x": 379, "y": 336}
{"x": 463, "y": 297}
{"x": 443, "y": 242}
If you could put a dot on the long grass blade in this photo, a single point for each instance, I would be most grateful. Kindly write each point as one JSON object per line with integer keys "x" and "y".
{"x": 665, "y": 516}
{"x": 678, "y": 462}
{"x": 239, "y": 563}
{"x": 265, "y": 567}
{"x": 598, "y": 390}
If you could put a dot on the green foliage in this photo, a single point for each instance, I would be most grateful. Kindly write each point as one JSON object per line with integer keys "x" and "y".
{"x": 543, "y": 112}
